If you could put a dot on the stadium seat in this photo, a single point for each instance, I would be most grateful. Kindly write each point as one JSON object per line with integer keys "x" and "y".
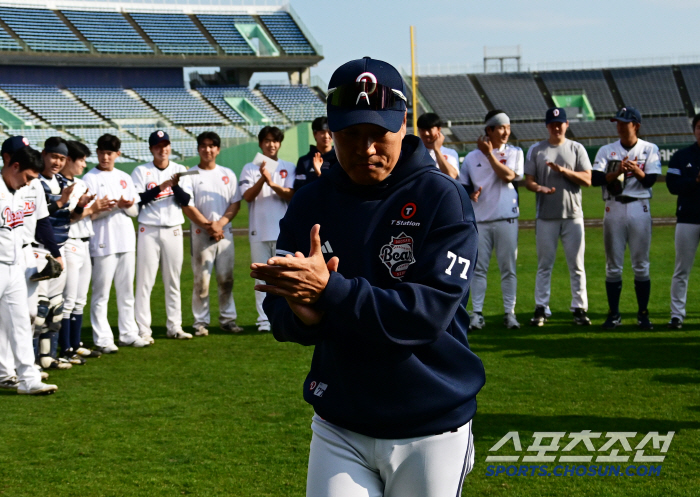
{"x": 223, "y": 29}
{"x": 297, "y": 102}
{"x": 174, "y": 33}
{"x": 113, "y": 103}
{"x": 54, "y": 106}
{"x": 589, "y": 82}
{"x": 42, "y": 30}
{"x": 109, "y": 32}
{"x": 652, "y": 90}
{"x": 516, "y": 93}
{"x": 453, "y": 98}
{"x": 179, "y": 106}
{"x": 287, "y": 33}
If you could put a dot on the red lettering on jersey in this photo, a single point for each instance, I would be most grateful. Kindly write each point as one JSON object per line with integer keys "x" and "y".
{"x": 225, "y": 180}
{"x": 123, "y": 183}
{"x": 151, "y": 185}
{"x": 12, "y": 219}
{"x": 503, "y": 161}
{"x": 142, "y": 229}
{"x": 283, "y": 173}
{"x": 29, "y": 207}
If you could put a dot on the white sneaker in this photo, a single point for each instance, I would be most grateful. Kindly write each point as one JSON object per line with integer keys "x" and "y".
{"x": 180, "y": 335}
{"x": 138, "y": 343}
{"x": 477, "y": 321}
{"x": 201, "y": 331}
{"x": 37, "y": 389}
{"x": 44, "y": 375}
{"x": 147, "y": 338}
{"x": 511, "y": 321}
{"x": 264, "y": 327}
{"x": 108, "y": 349}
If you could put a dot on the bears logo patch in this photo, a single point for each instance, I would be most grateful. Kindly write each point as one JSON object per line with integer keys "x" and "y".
{"x": 123, "y": 183}
{"x": 397, "y": 255}
{"x": 283, "y": 173}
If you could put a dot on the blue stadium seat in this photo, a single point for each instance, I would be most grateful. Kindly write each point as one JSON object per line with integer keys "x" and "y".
{"x": 287, "y": 33}
{"x": 223, "y": 29}
{"x": 174, "y": 33}
{"x": 222, "y": 131}
{"x": 590, "y": 82}
{"x": 7, "y": 42}
{"x": 109, "y": 32}
{"x": 52, "y": 105}
{"x": 113, "y": 103}
{"x": 42, "y": 30}
{"x": 179, "y": 106}
{"x": 297, "y": 102}
{"x": 216, "y": 94}
{"x": 652, "y": 90}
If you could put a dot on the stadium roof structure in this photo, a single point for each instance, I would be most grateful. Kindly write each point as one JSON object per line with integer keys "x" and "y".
{"x": 149, "y": 34}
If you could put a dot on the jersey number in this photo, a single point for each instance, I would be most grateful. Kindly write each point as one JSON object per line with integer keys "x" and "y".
{"x": 454, "y": 258}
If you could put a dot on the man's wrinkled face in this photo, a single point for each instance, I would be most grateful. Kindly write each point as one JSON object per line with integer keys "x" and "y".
{"x": 367, "y": 152}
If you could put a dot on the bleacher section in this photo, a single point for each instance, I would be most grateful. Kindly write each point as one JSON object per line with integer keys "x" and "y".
{"x": 52, "y": 105}
{"x": 179, "y": 106}
{"x": 453, "y": 98}
{"x": 652, "y": 90}
{"x": 174, "y": 33}
{"x": 18, "y": 110}
{"x": 591, "y": 82}
{"x": 691, "y": 75}
{"x": 109, "y": 32}
{"x": 529, "y": 133}
{"x": 516, "y": 93}
{"x": 667, "y": 126}
{"x": 222, "y": 28}
{"x": 42, "y": 30}
{"x": 298, "y": 102}
{"x": 7, "y": 42}
{"x": 38, "y": 136}
{"x": 90, "y": 135}
{"x": 222, "y": 131}
{"x": 287, "y": 33}
{"x": 467, "y": 132}
{"x": 143, "y": 132}
{"x": 113, "y": 103}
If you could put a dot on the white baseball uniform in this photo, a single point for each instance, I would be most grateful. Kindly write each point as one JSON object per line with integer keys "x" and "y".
{"x": 112, "y": 251}
{"x": 450, "y": 155}
{"x": 159, "y": 244}
{"x": 78, "y": 266}
{"x": 213, "y": 191}
{"x": 627, "y": 215}
{"x": 496, "y": 211}
{"x": 264, "y": 214}
{"x": 13, "y": 289}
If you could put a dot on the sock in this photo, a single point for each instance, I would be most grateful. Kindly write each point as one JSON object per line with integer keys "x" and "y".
{"x": 64, "y": 335}
{"x": 76, "y": 325}
{"x": 35, "y": 343}
{"x": 53, "y": 335}
{"x": 643, "y": 291}
{"x": 614, "y": 289}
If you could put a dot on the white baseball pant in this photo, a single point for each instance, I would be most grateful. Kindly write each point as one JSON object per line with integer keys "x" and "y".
{"x": 346, "y": 464}
{"x": 547, "y": 235}
{"x": 120, "y": 269}
{"x": 503, "y": 237}
{"x": 159, "y": 245}
{"x": 260, "y": 252}
{"x": 687, "y": 240}
{"x": 207, "y": 256}
{"x": 17, "y": 328}
{"x": 627, "y": 224}
{"x": 78, "y": 273}
{"x": 7, "y": 358}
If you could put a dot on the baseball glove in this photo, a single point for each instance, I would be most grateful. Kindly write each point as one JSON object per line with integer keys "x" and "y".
{"x": 52, "y": 269}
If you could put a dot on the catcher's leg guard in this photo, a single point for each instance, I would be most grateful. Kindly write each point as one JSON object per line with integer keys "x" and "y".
{"x": 45, "y": 358}
{"x": 42, "y": 314}
{"x": 55, "y": 313}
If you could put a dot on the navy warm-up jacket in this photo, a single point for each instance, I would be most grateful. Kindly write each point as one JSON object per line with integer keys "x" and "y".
{"x": 683, "y": 169}
{"x": 392, "y": 358}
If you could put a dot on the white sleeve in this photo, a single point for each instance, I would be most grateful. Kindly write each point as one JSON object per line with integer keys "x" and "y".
{"x": 454, "y": 163}
{"x": 235, "y": 189}
{"x": 291, "y": 175}
{"x": 131, "y": 193}
{"x": 42, "y": 210}
{"x": 601, "y": 159}
{"x": 518, "y": 165}
{"x": 247, "y": 179}
{"x": 137, "y": 180}
{"x": 653, "y": 163}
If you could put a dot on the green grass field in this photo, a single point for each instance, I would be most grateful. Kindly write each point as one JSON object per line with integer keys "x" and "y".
{"x": 224, "y": 414}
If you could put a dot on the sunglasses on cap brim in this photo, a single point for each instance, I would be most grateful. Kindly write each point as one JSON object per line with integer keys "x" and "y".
{"x": 366, "y": 95}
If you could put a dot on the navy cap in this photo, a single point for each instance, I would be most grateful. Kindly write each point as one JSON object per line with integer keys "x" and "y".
{"x": 370, "y": 71}
{"x": 555, "y": 115}
{"x": 157, "y": 137}
{"x": 13, "y": 144}
{"x": 627, "y": 115}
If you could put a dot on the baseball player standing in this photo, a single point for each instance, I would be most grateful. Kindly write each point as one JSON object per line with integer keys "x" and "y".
{"x": 112, "y": 249}
{"x": 77, "y": 250}
{"x": 683, "y": 179}
{"x": 626, "y": 170}
{"x": 160, "y": 235}
{"x": 216, "y": 202}
{"x": 267, "y": 191}
{"x": 392, "y": 381}
{"x": 24, "y": 166}
{"x": 320, "y": 157}
{"x": 556, "y": 169}
{"x": 429, "y": 130}
{"x": 488, "y": 174}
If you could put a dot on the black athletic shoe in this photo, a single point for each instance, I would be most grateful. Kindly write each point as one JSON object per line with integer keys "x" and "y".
{"x": 675, "y": 324}
{"x": 643, "y": 322}
{"x": 539, "y": 318}
{"x": 581, "y": 318}
{"x": 613, "y": 321}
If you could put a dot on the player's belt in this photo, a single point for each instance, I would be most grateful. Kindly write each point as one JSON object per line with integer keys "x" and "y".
{"x": 624, "y": 199}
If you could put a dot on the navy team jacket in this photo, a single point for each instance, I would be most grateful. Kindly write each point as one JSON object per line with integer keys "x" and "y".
{"x": 392, "y": 358}
{"x": 683, "y": 169}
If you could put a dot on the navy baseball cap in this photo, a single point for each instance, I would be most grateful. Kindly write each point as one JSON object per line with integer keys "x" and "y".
{"x": 366, "y": 91}
{"x": 555, "y": 115}
{"x": 627, "y": 115}
{"x": 13, "y": 144}
{"x": 157, "y": 137}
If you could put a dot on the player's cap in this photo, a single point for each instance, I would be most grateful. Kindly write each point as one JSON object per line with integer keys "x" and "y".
{"x": 627, "y": 115}
{"x": 320, "y": 124}
{"x": 157, "y": 137}
{"x": 366, "y": 91}
{"x": 13, "y": 144}
{"x": 555, "y": 115}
